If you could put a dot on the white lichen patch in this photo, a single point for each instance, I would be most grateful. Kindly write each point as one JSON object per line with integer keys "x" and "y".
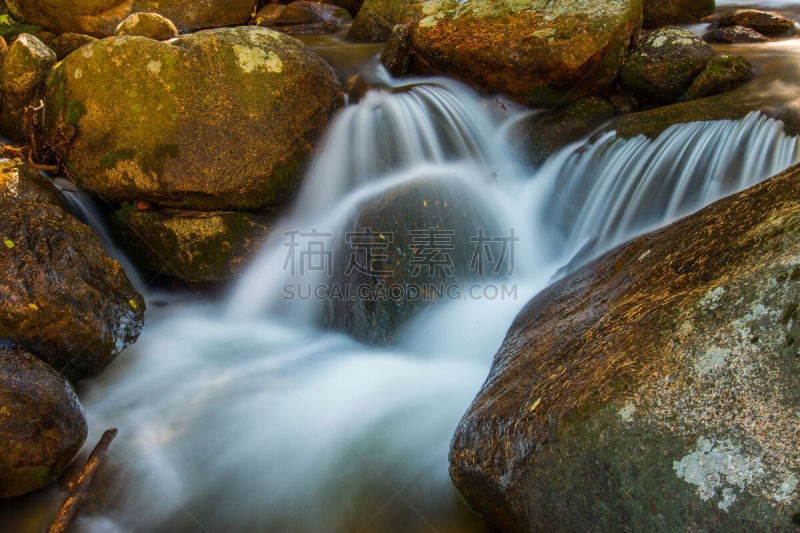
{"x": 719, "y": 468}
{"x": 78, "y": 74}
{"x": 87, "y": 52}
{"x": 627, "y": 411}
{"x": 250, "y": 59}
{"x": 713, "y": 360}
{"x": 710, "y": 299}
{"x": 154, "y": 67}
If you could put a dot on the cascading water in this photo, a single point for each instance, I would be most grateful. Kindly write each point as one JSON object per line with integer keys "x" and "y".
{"x": 249, "y": 419}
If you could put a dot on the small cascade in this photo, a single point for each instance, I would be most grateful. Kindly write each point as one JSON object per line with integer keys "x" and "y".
{"x": 611, "y": 188}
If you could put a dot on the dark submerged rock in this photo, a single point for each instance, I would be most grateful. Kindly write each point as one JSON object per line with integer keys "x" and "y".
{"x": 734, "y": 34}
{"x": 765, "y": 22}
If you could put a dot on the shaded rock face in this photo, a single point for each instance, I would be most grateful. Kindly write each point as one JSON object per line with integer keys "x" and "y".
{"x": 376, "y": 18}
{"x": 63, "y": 298}
{"x": 538, "y": 53}
{"x": 734, "y": 34}
{"x": 150, "y": 25}
{"x": 418, "y": 208}
{"x": 722, "y": 73}
{"x": 655, "y": 388}
{"x": 65, "y": 44}
{"x": 663, "y": 64}
{"x": 658, "y": 13}
{"x": 544, "y": 134}
{"x": 302, "y": 17}
{"x": 191, "y": 246}
{"x": 42, "y": 425}
{"x": 220, "y": 119}
{"x": 101, "y": 17}
{"x": 765, "y": 22}
{"x": 352, "y": 6}
{"x": 22, "y": 80}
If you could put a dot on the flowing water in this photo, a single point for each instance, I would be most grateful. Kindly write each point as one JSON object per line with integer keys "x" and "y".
{"x": 246, "y": 415}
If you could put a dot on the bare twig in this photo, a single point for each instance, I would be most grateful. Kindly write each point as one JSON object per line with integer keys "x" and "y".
{"x": 79, "y": 489}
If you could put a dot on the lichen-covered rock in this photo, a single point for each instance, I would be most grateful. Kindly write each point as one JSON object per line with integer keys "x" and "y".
{"x": 220, "y": 119}
{"x": 658, "y": 13}
{"x": 663, "y": 64}
{"x": 65, "y": 44}
{"x": 722, "y": 73}
{"x": 654, "y": 389}
{"x": 538, "y": 52}
{"x": 303, "y": 17}
{"x": 734, "y": 34}
{"x": 22, "y": 79}
{"x": 545, "y": 133}
{"x": 420, "y": 243}
{"x": 376, "y": 18}
{"x": 765, "y": 22}
{"x": 191, "y": 246}
{"x": 42, "y": 425}
{"x": 150, "y": 25}
{"x": 101, "y": 17}
{"x": 61, "y": 297}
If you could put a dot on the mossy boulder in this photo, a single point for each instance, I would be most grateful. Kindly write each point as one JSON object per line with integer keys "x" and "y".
{"x": 42, "y": 425}
{"x": 734, "y": 34}
{"x": 539, "y": 53}
{"x": 658, "y": 13}
{"x": 722, "y": 73}
{"x": 654, "y": 389}
{"x": 303, "y": 17}
{"x": 189, "y": 245}
{"x": 664, "y": 63}
{"x": 765, "y": 22}
{"x": 22, "y": 80}
{"x": 220, "y": 119}
{"x": 62, "y": 298}
{"x": 420, "y": 248}
{"x": 101, "y": 17}
{"x": 376, "y": 18}
{"x": 150, "y": 25}
{"x": 546, "y": 132}
{"x": 65, "y": 44}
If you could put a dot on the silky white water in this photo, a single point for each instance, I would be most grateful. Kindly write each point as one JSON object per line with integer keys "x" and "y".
{"x": 247, "y": 416}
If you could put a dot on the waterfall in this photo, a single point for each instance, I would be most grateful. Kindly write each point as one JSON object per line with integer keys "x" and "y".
{"x": 253, "y": 418}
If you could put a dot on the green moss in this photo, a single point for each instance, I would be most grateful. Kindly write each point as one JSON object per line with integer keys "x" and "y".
{"x": 10, "y": 27}
{"x": 75, "y": 110}
{"x": 789, "y": 313}
{"x": 110, "y": 160}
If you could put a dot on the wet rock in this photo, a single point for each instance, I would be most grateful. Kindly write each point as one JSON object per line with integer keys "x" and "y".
{"x": 22, "y": 79}
{"x": 407, "y": 226}
{"x": 658, "y": 13}
{"x": 3, "y": 50}
{"x": 663, "y": 64}
{"x": 42, "y": 425}
{"x": 654, "y": 388}
{"x": 191, "y": 246}
{"x": 63, "y": 299}
{"x": 538, "y": 53}
{"x": 100, "y": 18}
{"x": 734, "y": 34}
{"x": 220, "y": 119}
{"x": 65, "y": 44}
{"x": 765, "y": 22}
{"x": 722, "y": 73}
{"x": 303, "y": 17}
{"x": 150, "y": 25}
{"x": 376, "y": 18}
{"x": 547, "y": 132}
{"x": 352, "y": 6}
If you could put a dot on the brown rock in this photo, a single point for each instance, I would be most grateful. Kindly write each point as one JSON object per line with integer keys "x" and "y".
{"x": 734, "y": 34}
{"x": 150, "y": 25}
{"x": 65, "y": 44}
{"x": 765, "y": 22}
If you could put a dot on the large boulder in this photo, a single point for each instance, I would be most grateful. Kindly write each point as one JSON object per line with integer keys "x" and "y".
{"x": 765, "y": 22}
{"x": 150, "y": 25}
{"x": 722, "y": 73}
{"x": 538, "y": 52}
{"x": 61, "y": 297}
{"x": 220, "y": 119}
{"x": 409, "y": 247}
{"x": 655, "y": 388}
{"x": 658, "y": 13}
{"x": 42, "y": 425}
{"x": 189, "y": 245}
{"x": 664, "y": 63}
{"x": 376, "y": 18}
{"x": 22, "y": 80}
{"x": 101, "y": 17}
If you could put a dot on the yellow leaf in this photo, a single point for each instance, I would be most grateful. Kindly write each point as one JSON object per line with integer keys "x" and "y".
{"x": 533, "y": 407}
{"x": 34, "y": 307}
{"x": 133, "y": 304}
{"x": 9, "y": 244}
